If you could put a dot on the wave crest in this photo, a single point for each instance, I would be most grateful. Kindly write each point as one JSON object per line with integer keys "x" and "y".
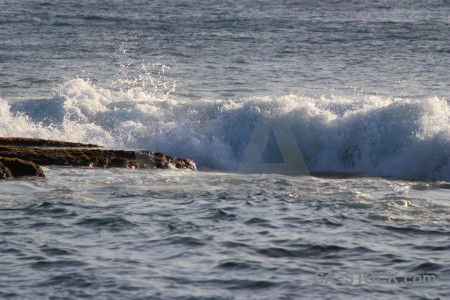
{"x": 403, "y": 138}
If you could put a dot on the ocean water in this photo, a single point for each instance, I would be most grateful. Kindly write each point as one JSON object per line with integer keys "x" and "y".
{"x": 357, "y": 91}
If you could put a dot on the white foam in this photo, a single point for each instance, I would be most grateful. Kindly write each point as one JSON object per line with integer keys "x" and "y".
{"x": 371, "y": 135}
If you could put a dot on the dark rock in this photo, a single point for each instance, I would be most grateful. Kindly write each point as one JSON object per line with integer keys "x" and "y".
{"x": 149, "y": 159}
{"x": 5, "y": 172}
{"x": 47, "y": 152}
{"x": 31, "y": 142}
{"x": 14, "y": 167}
{"x": 72, "y": 156}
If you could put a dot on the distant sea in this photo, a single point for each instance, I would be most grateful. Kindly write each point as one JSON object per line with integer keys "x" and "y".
{"x": 357, "y": 91}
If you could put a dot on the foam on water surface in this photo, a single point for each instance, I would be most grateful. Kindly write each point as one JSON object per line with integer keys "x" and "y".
{"x": 381, "y": 136}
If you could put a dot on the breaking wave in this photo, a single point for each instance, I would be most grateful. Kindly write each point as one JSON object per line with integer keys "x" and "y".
{"x": 405, "y": 138}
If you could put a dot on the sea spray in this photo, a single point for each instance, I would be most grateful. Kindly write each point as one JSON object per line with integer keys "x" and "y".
{"x": 406, "y": 138}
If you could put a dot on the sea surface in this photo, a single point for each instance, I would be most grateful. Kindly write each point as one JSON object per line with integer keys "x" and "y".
{"x": 320, "y": 129}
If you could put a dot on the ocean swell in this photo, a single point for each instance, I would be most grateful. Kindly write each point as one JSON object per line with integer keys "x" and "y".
{"x": 404, "y": 138}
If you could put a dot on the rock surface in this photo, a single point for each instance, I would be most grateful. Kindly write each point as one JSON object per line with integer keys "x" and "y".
{"x": 15, "y": 167}
{"x": 31, "y": 142}
{"x": 22, "y": 157}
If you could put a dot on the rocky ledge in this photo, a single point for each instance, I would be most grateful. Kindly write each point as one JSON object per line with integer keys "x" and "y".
{"x": 24, "y": 156}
